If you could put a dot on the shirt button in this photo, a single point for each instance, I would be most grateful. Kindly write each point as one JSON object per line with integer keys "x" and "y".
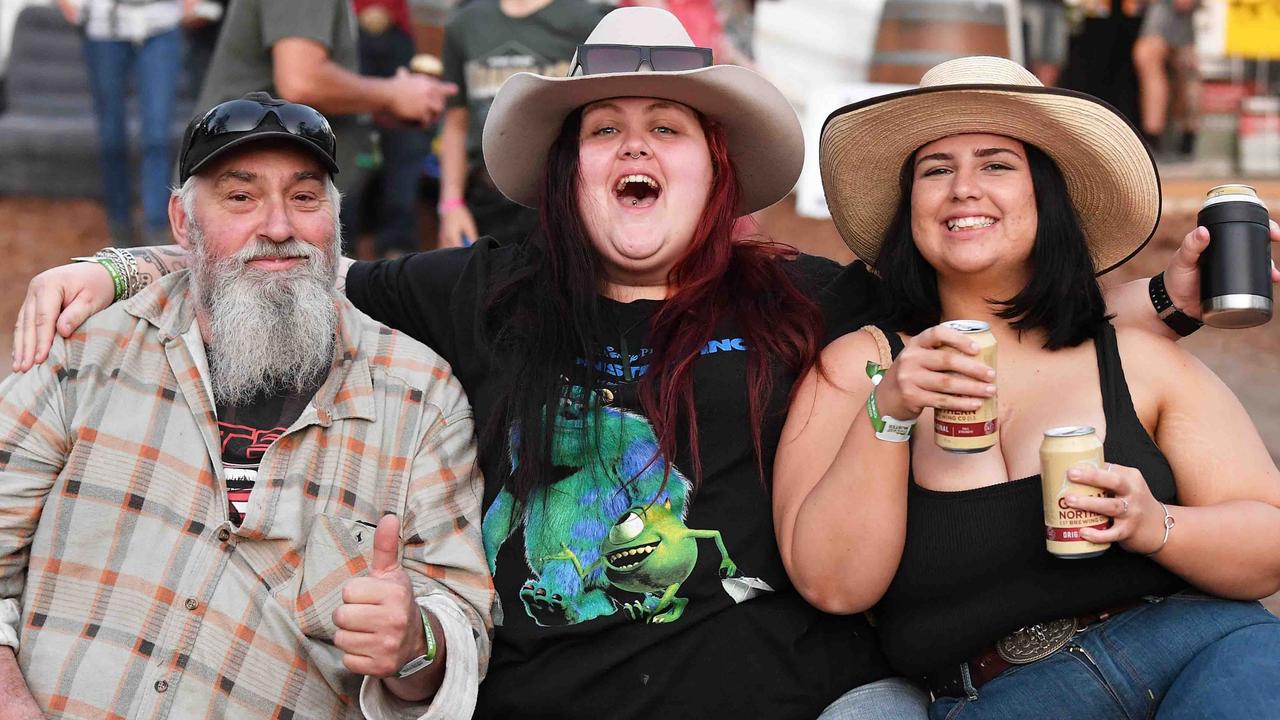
{"x": 224, "y": 535}
{"x": 161, "y": 686}
{"x": 192, "y": 603}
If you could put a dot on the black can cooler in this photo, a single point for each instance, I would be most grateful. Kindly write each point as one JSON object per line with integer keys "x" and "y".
{"x": 1235, "y": 270}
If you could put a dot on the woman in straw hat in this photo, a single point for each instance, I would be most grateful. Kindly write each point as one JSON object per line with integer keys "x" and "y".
{"x": 984, "y": 196}
{"x": 632, "y": 546}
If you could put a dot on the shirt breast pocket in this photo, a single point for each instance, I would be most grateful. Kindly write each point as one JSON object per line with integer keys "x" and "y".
{"x": 337, "y": 549}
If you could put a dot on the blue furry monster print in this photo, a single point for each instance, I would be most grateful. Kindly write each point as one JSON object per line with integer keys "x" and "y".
{"x": 613, "y": 462}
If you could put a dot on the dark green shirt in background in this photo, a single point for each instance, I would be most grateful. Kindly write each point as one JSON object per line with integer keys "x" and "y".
{"x": 242, "y": 61}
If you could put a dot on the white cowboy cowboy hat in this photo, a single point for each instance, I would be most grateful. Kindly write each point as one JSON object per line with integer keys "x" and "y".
{"x": 762, "y": 130}
{"x": 1111, "y": 176}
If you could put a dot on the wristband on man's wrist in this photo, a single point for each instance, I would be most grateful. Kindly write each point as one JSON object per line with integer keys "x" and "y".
{"x": 429, "y": 654}
{"x": 1178, "y": 321}
{"x": 887, "y": 428}
{"x": 119, "y": 284}
{"x": 447, "y": 204}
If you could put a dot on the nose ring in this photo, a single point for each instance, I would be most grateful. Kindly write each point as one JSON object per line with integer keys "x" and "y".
{"x": 633, "y": 155}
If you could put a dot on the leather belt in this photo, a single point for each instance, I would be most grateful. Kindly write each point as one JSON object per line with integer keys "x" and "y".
{"x": 1023, "y": 646}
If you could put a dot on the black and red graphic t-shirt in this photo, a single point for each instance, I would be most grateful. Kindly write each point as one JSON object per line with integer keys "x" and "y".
{"x": 247, "y": 431}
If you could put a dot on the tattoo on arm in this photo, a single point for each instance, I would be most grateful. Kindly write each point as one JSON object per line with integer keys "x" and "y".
{"x": 160, "y": 261}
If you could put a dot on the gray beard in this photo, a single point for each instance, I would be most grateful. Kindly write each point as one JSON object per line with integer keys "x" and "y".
{"x": 270, "y": 332}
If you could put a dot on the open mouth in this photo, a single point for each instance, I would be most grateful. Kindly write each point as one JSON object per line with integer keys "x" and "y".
{"x": 973, "y": 222}
{"x": 637, "y": 191}
{"x": 631, "y": 557}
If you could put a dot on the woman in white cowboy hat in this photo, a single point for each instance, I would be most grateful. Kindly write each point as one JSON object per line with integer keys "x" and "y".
{"x": 632, "y": 546}
{"x": 985, "y": 196}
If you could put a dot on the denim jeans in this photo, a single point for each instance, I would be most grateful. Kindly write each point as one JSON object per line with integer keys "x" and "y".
{"x": 1186, "y": 656}
{"x": 893, "y": 698}
{"x": 155, "y": 64}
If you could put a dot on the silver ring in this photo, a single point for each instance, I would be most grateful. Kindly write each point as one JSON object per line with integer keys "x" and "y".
{"x": 1124, "y": 509}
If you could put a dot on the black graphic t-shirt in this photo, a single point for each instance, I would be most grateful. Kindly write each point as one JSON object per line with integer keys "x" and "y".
{"x": 247, "y": 431}
{"x": 483, "y": 46}
{"x": 623, "y": 595}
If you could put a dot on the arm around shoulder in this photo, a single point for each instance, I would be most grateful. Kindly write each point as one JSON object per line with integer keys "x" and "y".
{"x": 1226, "y": 534}
{"x": 839, "y": 492}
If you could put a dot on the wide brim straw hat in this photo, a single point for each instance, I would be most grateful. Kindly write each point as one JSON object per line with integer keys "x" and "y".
{"x": 762, "y": 131}
{"x": 1110, "y": 175}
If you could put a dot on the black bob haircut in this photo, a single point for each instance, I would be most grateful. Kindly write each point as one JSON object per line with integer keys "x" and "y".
{"x": 1062, "y": 297}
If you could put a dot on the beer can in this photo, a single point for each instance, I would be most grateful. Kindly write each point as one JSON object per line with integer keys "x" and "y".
{"x": 1235, "y": 270}
{"x": 1062, "y": 449}
{"x": 970, "y": 431}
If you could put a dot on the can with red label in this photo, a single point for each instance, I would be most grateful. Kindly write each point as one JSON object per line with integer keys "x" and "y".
{"x": 970, "y": 431}
{"x": 1062, "y": 449}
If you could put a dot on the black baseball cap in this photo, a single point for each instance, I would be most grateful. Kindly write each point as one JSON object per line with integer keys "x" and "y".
{"x": 256, "y": 116}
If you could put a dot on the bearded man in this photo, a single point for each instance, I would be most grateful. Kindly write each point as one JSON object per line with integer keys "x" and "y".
{"x": 234, "y": 495}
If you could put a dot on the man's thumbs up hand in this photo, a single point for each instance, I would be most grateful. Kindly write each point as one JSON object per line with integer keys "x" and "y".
{"x": 379, "y": 625}
{"x": 386, "y": 548}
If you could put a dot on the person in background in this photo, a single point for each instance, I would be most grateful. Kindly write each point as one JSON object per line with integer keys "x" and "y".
{"x": 1165, "y": 49}
{"x": 1100, "y": 53}
{"x": 386, "y": 45}
{"x": 984, "y": 196}
{"x": 138, "y": 40}
{"x": 202, "y": 28}
{"x": 235, "y": 495}
{"x": 486, "y": 42}
{"x": 702, "y": 18}
{"x": 1044, "y": 29}
{"x": 304, "y": 51}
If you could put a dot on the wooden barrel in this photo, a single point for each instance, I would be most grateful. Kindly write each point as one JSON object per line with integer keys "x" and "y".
{"x": 915, "y": 35}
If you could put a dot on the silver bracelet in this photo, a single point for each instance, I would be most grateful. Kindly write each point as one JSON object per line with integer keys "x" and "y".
{"x": 1168, "y": 525}
{"x": 128, "y": 266}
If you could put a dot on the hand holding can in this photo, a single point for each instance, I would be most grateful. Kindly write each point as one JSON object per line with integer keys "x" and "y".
{"x": 970, "y": 431}
{"x": 1235, "y": 270}
{"x": 1062, "y": 449}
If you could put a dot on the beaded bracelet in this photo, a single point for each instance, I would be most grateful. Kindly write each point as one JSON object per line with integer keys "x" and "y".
{"x": 128, "y": 266}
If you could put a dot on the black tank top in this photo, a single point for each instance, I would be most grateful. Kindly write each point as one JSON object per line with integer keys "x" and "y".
{"x": 975, "y": 567}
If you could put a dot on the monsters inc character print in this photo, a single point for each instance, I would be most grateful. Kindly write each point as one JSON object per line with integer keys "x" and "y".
{"x": 614, "y": 467}
{"x": 651, "y": 551}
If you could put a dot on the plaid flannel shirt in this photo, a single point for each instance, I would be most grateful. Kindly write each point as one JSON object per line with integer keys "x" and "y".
{"x": 139, "y": 599}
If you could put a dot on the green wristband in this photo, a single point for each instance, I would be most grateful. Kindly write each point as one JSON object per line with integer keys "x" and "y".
{"x": 886, "y": 427}
{"x": 117, "y": 277}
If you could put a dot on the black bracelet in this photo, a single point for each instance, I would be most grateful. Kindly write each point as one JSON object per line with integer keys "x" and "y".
{"x": 1178, "y": 321}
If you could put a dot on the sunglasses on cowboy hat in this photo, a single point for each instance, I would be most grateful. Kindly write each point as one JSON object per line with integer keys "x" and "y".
{"x": 645, "y": 52}
{"x": 600, "y": 59}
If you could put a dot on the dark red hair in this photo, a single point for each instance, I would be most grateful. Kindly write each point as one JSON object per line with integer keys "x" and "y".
{"x": 546, "y": 316}
{"x": 723, "y": 273}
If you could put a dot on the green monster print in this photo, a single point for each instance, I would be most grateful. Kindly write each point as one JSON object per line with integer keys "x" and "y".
{"x": 649, "y": 550}
{"x": 611, "y": 461}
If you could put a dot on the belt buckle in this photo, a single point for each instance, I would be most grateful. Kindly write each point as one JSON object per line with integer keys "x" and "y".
{"x": 1036, "y": 642}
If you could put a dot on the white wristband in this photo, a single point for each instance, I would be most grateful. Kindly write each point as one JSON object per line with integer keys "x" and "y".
{"x": 895, "y": 430}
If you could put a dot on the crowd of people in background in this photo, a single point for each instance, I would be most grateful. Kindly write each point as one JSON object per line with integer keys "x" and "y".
{"x": 1139, "y": 55}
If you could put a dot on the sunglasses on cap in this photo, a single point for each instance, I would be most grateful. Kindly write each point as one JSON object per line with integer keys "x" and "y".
{"x": 602, "y": 59}
{"x": 234, "y": 122}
